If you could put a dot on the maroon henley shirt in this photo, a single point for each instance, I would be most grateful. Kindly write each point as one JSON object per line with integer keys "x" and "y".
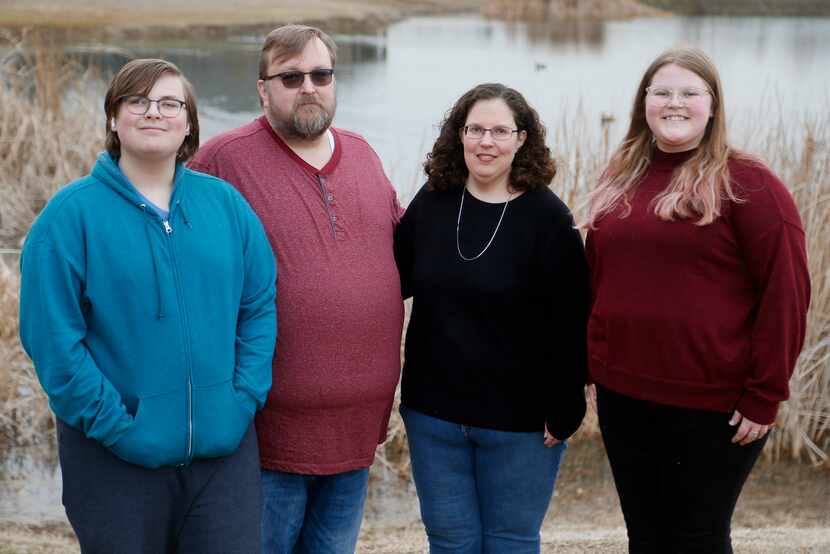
{"x": 339, "y": 305}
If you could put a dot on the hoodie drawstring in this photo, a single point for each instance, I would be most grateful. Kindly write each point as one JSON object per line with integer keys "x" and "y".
{"x": 184, "y": 214}
{"x": 159, "y": 310}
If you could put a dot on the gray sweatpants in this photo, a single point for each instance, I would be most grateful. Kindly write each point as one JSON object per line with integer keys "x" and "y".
{"x": 210, "y": 506}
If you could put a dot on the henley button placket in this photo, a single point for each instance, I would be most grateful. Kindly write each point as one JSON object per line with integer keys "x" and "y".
{"x": 328, "y": 200}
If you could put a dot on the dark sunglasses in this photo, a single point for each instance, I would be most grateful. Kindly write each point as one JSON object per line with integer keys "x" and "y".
{"x": 294, "y": 79}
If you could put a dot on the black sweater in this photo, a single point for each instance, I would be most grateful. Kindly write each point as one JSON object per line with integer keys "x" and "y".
{"x": 498, "y": 342}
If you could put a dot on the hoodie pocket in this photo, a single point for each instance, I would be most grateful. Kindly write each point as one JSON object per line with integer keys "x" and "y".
{"x": 158, "y": 436}
{"x": 220, "y": 420}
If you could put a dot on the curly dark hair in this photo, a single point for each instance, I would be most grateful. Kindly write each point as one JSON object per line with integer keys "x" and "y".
{"x": 533, "y": 167}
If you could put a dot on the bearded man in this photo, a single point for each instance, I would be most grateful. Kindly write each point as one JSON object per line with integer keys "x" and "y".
{"x": 329, "y": 212}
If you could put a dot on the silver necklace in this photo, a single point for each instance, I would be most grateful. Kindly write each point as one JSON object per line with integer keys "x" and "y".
{"x": 458, "y": 228}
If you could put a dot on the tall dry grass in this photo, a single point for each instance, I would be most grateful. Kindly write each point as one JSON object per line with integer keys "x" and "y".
{"x": 50, "y": 132}
{"x": 802, "y": 159}
{"x": 24, "y": 414}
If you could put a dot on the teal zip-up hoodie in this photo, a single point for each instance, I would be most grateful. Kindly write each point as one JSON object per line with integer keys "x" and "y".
{"x": 153, "y": 337}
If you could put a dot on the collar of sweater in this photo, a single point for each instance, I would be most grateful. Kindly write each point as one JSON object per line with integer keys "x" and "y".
{"x": 668, "y": 161}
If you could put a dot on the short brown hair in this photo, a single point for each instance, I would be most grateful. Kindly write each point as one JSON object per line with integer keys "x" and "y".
{"x": 139, "y": 77}
{"x": 533, "y": 166}
{"x": 289, "y": 40}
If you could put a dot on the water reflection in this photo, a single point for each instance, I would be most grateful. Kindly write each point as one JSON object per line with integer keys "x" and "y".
{"x": 30, "y": 489}
{"x": 223, "y": 73}
{"x": 587, "y": 33}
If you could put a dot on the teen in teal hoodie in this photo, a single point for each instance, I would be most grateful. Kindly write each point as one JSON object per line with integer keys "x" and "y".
{"x": 152, "y": 336}
{"x": 148, "y": 307}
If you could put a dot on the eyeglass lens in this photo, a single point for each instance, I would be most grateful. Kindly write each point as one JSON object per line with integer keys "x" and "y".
{"x": 294, "y": 79}
{"x": 683, "y": 95}
{"x": 140, "y": 105}
{"x": 478, "y": 132}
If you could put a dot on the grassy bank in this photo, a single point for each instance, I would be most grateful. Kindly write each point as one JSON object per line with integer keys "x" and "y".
{"x": 546, "y": 10}
{"x": 160, "y": 17}
{"x": 775, "y": 8}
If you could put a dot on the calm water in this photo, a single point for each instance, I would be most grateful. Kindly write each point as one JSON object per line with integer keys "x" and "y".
{"x": 394, "y": 88}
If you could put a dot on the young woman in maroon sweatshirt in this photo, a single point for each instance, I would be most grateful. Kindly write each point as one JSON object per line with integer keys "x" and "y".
{"x": 699, "y": 298}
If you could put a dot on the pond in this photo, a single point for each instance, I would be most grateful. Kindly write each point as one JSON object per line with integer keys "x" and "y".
{"x": 395, "y": 86}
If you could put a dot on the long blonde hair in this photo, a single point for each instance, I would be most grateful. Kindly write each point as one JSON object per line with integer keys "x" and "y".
{"x": 698, "y": 187}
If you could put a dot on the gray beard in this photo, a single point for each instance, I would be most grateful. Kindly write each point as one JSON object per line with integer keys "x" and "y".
{"x": 310, "y": 127}
{"x": 306, "y": 128}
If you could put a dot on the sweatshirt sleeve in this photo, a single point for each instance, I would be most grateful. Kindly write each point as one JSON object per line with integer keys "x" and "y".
{"x": 256, "y": 328}
{"x": 52, "y": 331}
{"x": 771, "y": 238}
{"x": 567, "y": 278}
{"x": 404, "y": 245}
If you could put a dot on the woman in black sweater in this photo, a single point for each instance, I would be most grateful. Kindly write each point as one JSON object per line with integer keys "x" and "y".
{"x": 496, "y": 346}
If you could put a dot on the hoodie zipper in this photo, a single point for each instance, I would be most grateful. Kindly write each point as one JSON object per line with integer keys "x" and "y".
{"x": 168, "y": 231}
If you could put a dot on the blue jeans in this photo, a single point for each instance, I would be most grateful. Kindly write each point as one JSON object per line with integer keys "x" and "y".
{"x": 480, "y": 490}
{"x": 312, "y": 514}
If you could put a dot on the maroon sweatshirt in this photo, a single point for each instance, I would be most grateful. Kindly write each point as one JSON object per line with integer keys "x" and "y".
{"x": 709, "y": 317}
{"x": 339, "y": 308}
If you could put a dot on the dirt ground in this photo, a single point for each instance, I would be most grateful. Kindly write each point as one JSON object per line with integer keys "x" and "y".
{"x": 785, "y": 508}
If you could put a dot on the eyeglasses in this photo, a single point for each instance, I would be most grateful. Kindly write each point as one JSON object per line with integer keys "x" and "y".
{"x": 499, "y": 132}
{"x": 295, "y": 79}
{"x": 686, "y": 95}
{"x": 139, "y": 105}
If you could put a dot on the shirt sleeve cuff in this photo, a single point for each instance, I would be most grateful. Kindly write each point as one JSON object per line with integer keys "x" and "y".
{"x": 564, "y": 422}
{"x": 757, "y": 409}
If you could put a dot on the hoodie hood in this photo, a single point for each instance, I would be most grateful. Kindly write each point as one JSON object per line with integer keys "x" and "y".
{"x": 107, "y": 171}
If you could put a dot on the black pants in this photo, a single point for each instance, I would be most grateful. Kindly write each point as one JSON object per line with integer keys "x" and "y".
{"x": 676, "y": 472}
{"x": 210, "y": 506}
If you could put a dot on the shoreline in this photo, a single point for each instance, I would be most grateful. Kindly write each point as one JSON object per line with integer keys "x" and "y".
{"x": 216, "y": 18}
{"x": 782, "y": 509}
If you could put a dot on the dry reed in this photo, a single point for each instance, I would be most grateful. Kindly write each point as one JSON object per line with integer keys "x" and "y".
{"x": 49, "y": 135}
{"x": 546, "y": 10}
{"x": 50, "y": 132}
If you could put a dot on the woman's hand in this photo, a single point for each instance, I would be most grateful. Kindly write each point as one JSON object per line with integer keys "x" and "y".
{"x": 550, "y": 440}
{"x": 748, "y": 430}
